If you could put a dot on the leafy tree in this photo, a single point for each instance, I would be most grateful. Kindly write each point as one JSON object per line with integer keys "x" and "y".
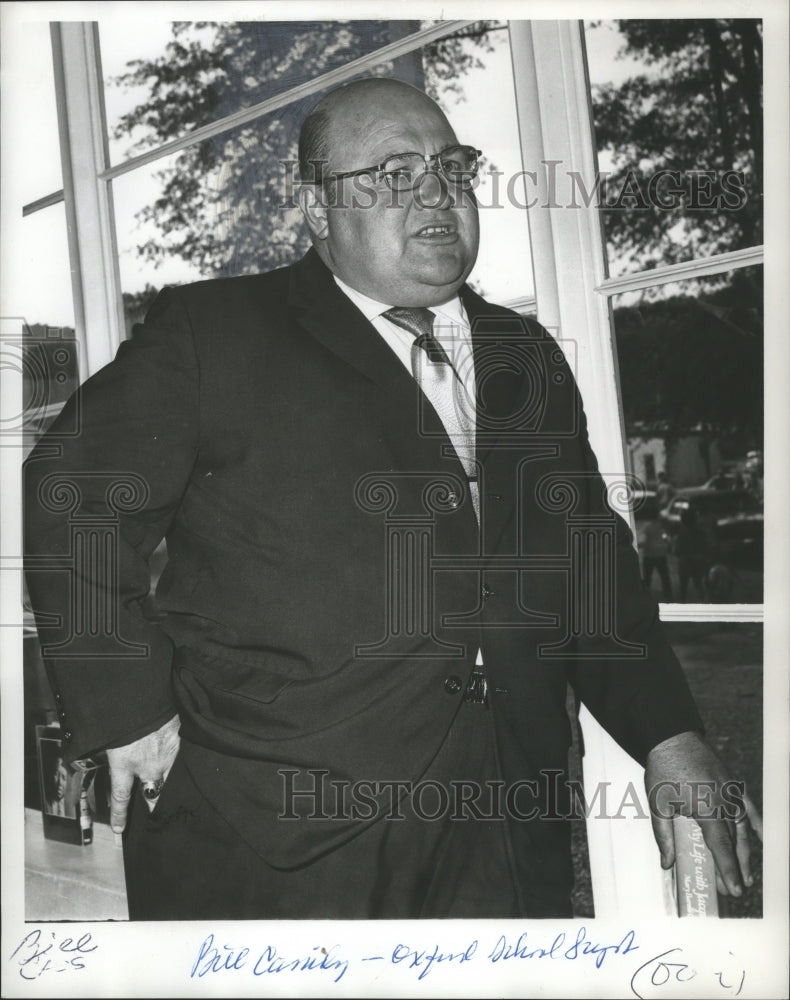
{"x": 695, "y": 363}
{"x": 696, "y": 107}
{"x": 226, "y": 204}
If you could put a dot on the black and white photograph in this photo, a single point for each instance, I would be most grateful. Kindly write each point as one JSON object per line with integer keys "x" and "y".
{"x": 57, "y": 779}
{"x": 393, "y": 429}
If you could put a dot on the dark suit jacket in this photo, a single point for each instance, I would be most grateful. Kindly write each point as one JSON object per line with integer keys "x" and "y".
{"x": 305, "y": 489}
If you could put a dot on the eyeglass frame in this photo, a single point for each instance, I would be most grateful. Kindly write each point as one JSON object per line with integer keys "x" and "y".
{"x": 427, "y": 160}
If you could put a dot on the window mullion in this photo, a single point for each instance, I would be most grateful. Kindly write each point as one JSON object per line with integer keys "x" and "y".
{"x": 695, "y": 268}
{"x": 96, "y": 286}
{"x": 711, "y": 612}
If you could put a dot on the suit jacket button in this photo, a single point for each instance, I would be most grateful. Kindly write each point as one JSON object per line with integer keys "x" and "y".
{"x": 453, "y": 500}
{"x": 67, "y": 736}
{"x": 58, "y": 699}
{"x": 453, "y": 684}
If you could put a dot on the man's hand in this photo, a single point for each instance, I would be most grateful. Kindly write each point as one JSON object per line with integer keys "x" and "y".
{"x": 684, "y": 777}
{"x": 148, "y": 759}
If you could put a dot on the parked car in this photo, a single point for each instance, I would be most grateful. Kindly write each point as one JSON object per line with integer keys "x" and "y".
{"x": 725, "y": 481}
{"x": 735, "y": 517}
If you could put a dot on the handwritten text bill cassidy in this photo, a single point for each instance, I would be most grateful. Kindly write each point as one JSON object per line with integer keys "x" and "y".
{"x": 268, "y": 960}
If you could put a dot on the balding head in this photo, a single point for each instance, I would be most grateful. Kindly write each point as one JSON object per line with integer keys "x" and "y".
{"x": 401, "y": 248}
{"x": 343, "y": 107}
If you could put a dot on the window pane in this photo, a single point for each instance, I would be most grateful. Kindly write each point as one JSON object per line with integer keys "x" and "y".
{"x": 677, "y": 107}
{"x": 227, "y": 206}
{"x": 690, "y": 356}
{"x": 480, "y": 104}
{"x": 147, "y": 254}
{"x": 29, "y": 89}
{"x": 36, "y": 276}
{"x": 50, "y": 351}
{"x": 209, "y": 70}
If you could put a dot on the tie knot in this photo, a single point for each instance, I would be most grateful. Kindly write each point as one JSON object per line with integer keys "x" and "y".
{"x": 418, "y": 320}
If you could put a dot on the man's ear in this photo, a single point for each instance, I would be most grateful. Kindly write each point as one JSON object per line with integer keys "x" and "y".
{"x": 313, "y": 207}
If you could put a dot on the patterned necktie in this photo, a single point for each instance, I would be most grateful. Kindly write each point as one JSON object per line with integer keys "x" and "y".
{"x": 441, "y": 383}
{"x": 418, "y": 321}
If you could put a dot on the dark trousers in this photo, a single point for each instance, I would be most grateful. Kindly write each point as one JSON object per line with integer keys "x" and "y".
{"x": 183, "y": 861}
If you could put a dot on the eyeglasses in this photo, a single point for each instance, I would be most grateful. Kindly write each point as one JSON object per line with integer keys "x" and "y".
{"x": 458, "y": 165}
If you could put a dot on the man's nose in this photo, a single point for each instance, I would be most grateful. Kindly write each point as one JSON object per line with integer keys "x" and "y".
{"x": 433, "y": 191}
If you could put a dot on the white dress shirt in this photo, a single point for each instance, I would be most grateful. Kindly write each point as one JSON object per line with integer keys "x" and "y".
{"x": 450, "y": 327}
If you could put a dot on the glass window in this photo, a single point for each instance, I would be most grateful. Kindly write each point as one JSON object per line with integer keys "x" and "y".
{"x": 36, "y": 275}
{"x": 209, "y": 70}
{"x": 30, "y": 84}
{"x": 227, "y": 206}
{"x": 38, "y": 308}
{"x": 41, "y": 286}
{"x": 690, "y": 356}
{"x": 480, "y": 104}
{"x": 677, "y": 106}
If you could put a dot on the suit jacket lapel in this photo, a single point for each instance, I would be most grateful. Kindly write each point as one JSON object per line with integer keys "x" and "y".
{"x": 333, "y": 319}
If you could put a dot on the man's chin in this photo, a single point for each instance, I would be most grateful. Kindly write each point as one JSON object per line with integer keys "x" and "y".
{"x": 444, "y": 277}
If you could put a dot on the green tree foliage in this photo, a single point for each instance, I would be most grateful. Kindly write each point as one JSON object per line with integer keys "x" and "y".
{"x": 226, "y": 204}
{"x": 696, "y": 107}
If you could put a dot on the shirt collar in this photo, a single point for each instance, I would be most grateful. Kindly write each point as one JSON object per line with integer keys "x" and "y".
{"x": 372, "y": 309}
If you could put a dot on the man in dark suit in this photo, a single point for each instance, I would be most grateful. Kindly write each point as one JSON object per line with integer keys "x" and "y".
{"x": 354, "y": 672}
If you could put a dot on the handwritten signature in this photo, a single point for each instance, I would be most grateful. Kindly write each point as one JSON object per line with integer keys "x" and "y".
{"x": 265, "y": 961}
{"x": 39, "y": 952}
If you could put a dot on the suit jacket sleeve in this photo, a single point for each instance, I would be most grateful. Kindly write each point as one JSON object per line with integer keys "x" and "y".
{"x": 642, "y": 699}
{"x": 97, "y": 503}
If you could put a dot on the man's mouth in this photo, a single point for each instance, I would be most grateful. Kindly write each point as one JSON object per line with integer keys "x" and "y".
{"x": 436, "y": 231}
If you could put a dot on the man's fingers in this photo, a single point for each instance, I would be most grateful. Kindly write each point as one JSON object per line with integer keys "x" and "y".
{"x": 754, "y": 817}
{"x": 743, "y": 851}
{"x": 121, "y": 783}
{"x": 720, "y": 841}
{"x": 665, "y": 838}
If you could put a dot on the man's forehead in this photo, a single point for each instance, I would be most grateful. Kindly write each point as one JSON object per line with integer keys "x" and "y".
{"x": 381, "y": 132}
